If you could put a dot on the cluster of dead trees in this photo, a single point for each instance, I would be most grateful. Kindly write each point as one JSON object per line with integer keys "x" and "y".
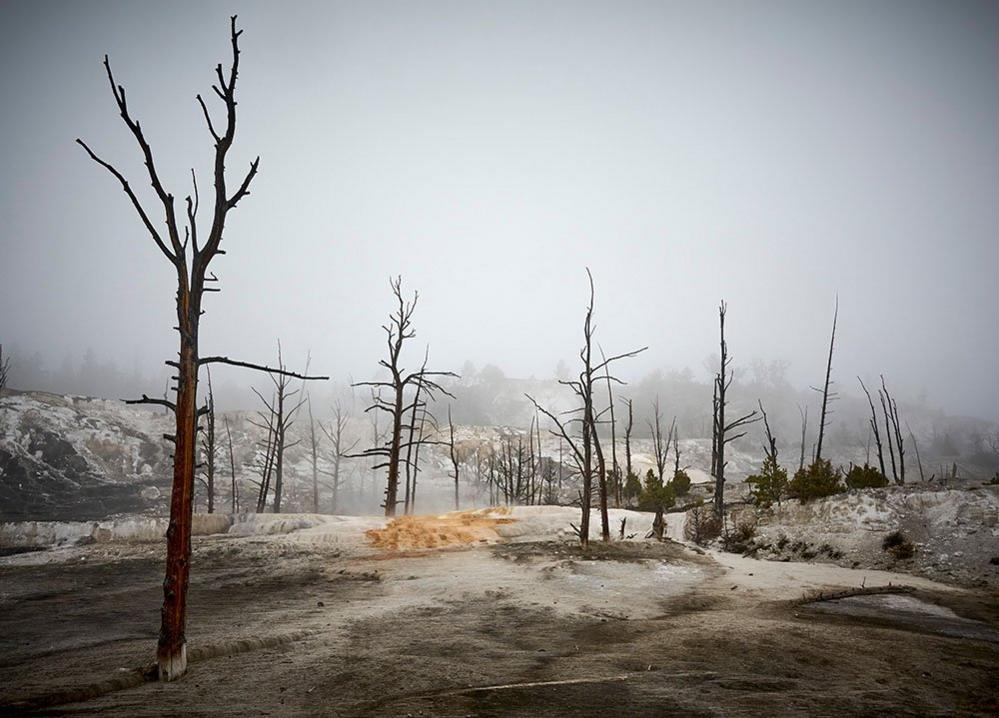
{"x": 892, "y": 427}
{"x": 578, "y": 427}
{"x": 276, "y": 419}
{"x": 515, "y": 474}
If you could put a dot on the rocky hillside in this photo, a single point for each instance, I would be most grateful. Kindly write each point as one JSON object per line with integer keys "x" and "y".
{"x": 65, "y": 457}
{"x": 946, "y": 533}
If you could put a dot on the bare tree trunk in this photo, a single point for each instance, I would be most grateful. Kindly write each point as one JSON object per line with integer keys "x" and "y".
{"x": 891, "y": 415}
{"x": 454, "y": 457}
{"x": 407, "y": 499}
{"x": 714, "y": 427}
{"x": 723, "y": 381}
{"x": 627, "y": 438}
{"x": 602, "y": 485}
{"x": 234, "y": 496}
{"x": 804, "y": 429}
{"x": 416, "y": 456}
{"x": 209, "y": 449}
{"x": 5, "y": 370}
{"x": 314, "y": 456}
{"x": 825, "y": 390}
{"x": 615, "y": 470}
{"x": 919, "y": 462}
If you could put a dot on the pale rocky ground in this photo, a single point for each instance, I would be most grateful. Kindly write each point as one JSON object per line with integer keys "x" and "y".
{"x": 502, "y": 615}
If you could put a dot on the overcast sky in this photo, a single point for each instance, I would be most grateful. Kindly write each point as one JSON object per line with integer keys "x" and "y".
{"x": 769, "y": 153}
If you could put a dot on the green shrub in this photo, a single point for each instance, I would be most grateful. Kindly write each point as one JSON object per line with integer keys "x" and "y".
{"x": 681, "y": 482}
{"x": 655, "y": 495}
{"x": 632, "y": 486}
{"x": 815, "y": 481}
{"x": 865, "y": 477}
{"x": 770, "y": 485}
{"x": 702, "y": 525}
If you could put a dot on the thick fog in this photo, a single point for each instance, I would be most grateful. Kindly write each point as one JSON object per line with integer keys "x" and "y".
{"x": 771, "y": 154}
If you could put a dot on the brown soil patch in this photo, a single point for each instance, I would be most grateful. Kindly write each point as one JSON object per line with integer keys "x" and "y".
{"x": 453, "y": 529}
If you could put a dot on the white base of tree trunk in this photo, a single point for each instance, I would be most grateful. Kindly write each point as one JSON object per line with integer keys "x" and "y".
{"x": 172, "y": 667}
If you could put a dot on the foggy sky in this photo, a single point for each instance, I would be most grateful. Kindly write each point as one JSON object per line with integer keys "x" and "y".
{"x": 772, "y": 154}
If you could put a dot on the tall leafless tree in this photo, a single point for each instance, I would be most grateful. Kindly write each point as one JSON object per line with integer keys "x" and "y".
{"x": 190, "y": 259}
{"x": 721, "y": 435}
{"x": 397, "y": 331}
{"x": 627, "y": 437}
{"x": 826, "y": 395}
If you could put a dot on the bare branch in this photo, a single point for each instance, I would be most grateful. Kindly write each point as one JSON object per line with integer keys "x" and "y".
{"x": 259, "y": 367}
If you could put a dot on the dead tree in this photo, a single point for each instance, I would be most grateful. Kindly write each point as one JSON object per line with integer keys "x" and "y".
{"x": 377, "y": 437}
{"x": 313, "y": 456}
{"x": 398, "y": 330}
{"x": 919, "y": 462}
{"x": 533, "y": 463}
{"x": 4, "y": 369}
{"x": 190, "y": 257}
{"x": 676, "y": 449}
{"x": 804, "y": 429}
{"x": 339, "y": 450}
{"x": 282, "y": 409}
{"x": 208, "y": 448}
{"x": 616, "y": 482}
{"x": 826, "y": 396}
{"x": 586, "y": 446}
{"x": 410, "y": 444}
{"x": 714, "y": 427}
{"x": 874, "y": 428}
{"x": 427, "y": 420}
{"x": 894, "y": 431}
{"x": 721, "y": 436}
{"x": 234, "y": 495}
{"x": 454, "y": 456}
{"x": 660, "y": 443}
{"x": 771, "y": 448}
{"x": 627, "y": 438}
{"x": 266, "y": 461}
